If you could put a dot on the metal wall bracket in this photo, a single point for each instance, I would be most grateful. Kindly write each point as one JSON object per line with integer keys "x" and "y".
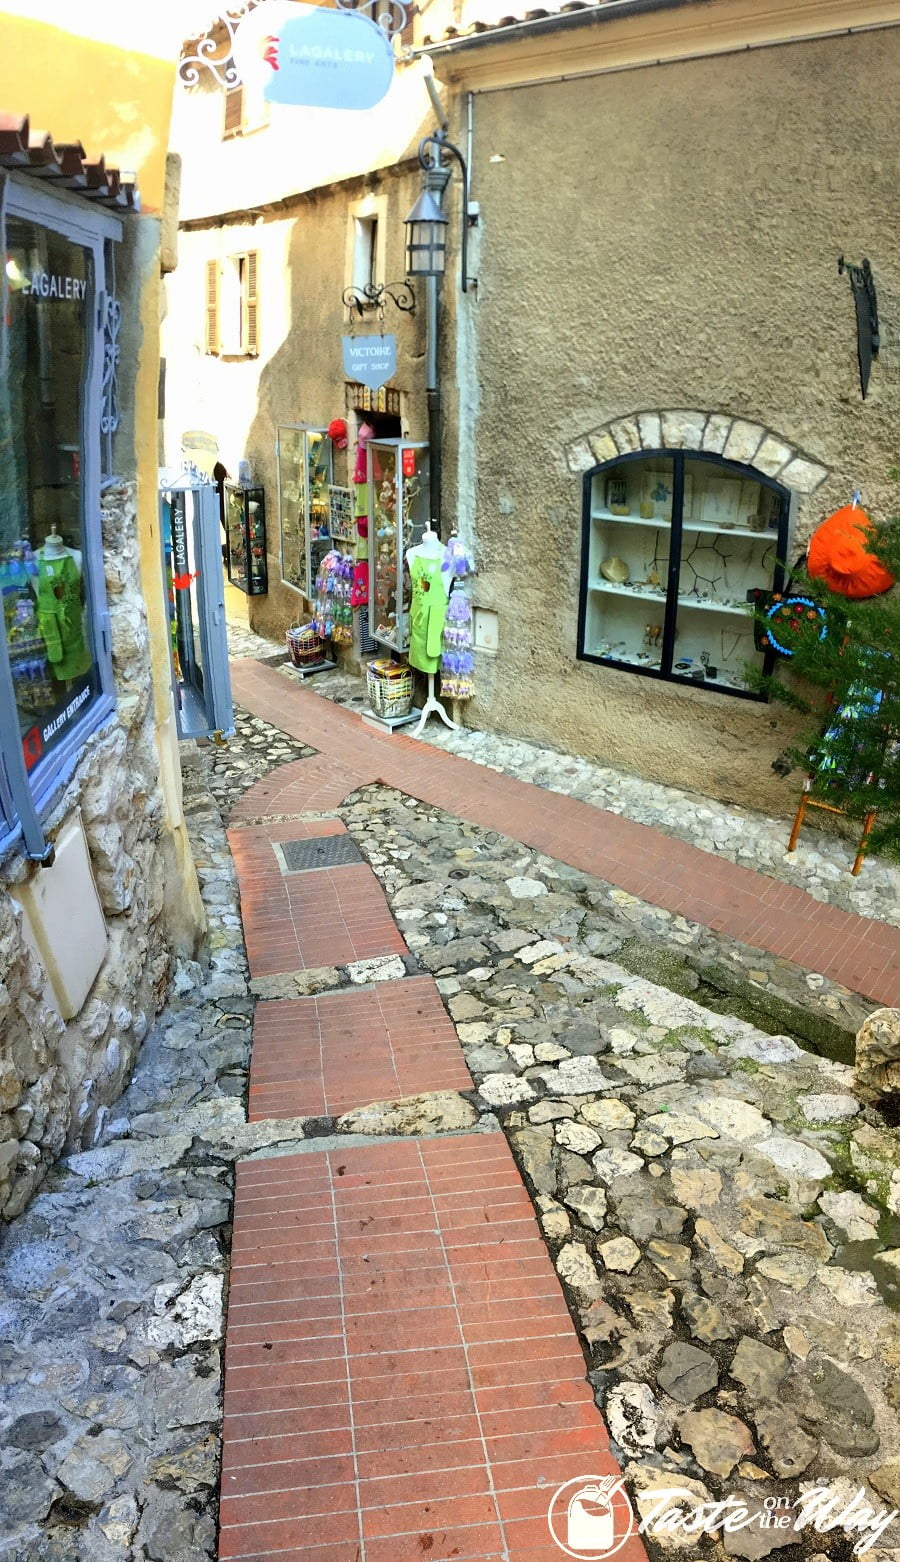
{"x": 868, "y": 338}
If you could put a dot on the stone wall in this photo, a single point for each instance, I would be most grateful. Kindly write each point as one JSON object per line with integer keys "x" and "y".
{"x": 57, "y": 1079}
{"x": 679, "y": 257}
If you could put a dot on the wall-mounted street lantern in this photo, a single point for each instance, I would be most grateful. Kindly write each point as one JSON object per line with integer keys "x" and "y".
{"x": 427, "y": 224}
{"x": 363, "y": 300}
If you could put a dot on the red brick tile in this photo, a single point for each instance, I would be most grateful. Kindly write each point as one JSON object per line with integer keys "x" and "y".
{"x": 426, "y": 1398}
{"x": 325, "y": 1055}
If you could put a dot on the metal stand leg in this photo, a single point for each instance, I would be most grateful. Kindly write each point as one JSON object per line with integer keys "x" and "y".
{"x": 867, "y": 830}
{"x": 798, "y": 821}
{"x": 434, "y": 707}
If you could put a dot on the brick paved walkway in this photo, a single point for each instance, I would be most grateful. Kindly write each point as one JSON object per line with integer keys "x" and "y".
{"x": 403, "y": 1379}
{"x": 322, "y": 1056}
{"x": 402, "y": 1376}
{"x": 862, "y": 955}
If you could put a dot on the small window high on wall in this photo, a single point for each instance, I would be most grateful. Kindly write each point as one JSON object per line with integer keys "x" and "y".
{"x": 674, "y": 545}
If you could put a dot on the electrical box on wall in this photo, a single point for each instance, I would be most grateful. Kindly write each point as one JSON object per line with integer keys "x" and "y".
{"x": 486, "y": 629}
{"x": 63, "y": 921}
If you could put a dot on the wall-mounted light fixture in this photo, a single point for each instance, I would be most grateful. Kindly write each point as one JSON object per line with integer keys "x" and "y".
{"x": 427, "y": 223}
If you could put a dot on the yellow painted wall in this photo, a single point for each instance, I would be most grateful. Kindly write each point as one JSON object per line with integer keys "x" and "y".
{"x": 115, "y": 101}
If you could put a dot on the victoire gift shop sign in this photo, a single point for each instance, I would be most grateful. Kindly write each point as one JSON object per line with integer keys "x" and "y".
{"x": 370, "y": 360}
{"x": 312, "y": 57}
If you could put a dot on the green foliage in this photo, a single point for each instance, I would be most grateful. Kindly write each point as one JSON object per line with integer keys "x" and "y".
{"x": 847, "y": 685}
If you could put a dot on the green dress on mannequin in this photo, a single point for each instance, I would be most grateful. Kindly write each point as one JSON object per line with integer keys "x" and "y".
{"x": 60, "y": 616}
{"x": 428, "y": 610}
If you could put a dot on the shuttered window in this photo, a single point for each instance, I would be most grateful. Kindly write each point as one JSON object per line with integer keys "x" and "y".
{"x": 212, "y": 306}
{"x": 234, "y": 112}
{"x": 249, "y": 304}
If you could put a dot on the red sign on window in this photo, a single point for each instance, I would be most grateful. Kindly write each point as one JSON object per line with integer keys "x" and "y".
{"x": 409, "y": 463}
{"x": 32, "y": 747}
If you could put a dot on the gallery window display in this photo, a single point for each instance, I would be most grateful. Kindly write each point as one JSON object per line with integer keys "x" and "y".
{"x": 398, "y": 515}
{"x": 304, "y": 504}
{"x": 245, "y": 530}
{"x": 675, "y": 547}
{"x": 51, "y": 573}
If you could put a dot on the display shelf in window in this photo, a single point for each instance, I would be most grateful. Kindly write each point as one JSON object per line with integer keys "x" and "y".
{"x": 245, "y": 530}
{"x": 398, "y": 514}
{"x": 674, "y": 546}
{"x": 304, "y": 459}
{"x": 340, "y": 514}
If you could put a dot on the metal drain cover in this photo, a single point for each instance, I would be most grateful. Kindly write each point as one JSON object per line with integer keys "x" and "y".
{"x": 326, "y": 851}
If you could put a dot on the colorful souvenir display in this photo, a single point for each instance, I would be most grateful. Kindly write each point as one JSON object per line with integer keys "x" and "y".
{"x": 790, "y": 616}
{"x": 333, "y": 615}
{"x": 458, "y": 660}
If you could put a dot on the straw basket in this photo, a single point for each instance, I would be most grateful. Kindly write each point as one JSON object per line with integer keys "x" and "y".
{"x": 390, "y": 688}
{"x": 305, "y": 646}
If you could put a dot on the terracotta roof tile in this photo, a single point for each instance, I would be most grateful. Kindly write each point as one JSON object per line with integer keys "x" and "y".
{"x": 34, "y": 152}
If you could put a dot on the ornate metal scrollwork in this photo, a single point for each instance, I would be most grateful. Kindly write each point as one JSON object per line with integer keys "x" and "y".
{"x": 215, "y": 49}
{"x": 390, "y": 15}
{"x": 364, "y": 299}
{"x": 110, "y": 417}
{"x": 214, "y": 52}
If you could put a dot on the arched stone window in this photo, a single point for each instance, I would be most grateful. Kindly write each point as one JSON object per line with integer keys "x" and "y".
{"x": 676, "y": 546}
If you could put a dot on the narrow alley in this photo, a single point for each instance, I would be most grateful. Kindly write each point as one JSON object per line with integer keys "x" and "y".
{"x": 512, "y": 1209}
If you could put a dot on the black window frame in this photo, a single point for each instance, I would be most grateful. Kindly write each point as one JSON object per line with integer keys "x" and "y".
{"x": 665, "y": 674}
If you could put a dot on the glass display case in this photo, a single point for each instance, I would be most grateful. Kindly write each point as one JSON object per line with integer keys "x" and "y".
{"x": 245, "y": 535}
{"x": 675, "y": 547}
{"x": 398, "y": 512}
{"x": 304, "y": 460}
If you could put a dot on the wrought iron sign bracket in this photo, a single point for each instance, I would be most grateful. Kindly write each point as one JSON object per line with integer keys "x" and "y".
{"x": 868, "y": 338}
{"x": 363, "y": 300}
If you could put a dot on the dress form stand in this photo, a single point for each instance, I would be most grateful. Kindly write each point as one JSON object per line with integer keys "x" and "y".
{"x": 430, "y": 547}
{"x": 434, "y": 707}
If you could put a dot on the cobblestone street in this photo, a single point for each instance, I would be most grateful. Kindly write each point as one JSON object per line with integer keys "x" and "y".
{"x": 473, "y": 1063}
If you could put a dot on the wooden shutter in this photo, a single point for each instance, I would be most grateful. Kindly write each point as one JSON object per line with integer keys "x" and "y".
{"x": 212, "y": 306}
{"x": 234, "y": 112}
{"x": 250, "y": 271}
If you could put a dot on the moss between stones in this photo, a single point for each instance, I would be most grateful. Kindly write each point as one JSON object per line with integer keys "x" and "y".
{"x": 727, "y": 992}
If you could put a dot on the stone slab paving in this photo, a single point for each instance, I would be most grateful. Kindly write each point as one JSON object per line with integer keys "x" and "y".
{"x": 860, "y": 953}
{"x": 402, "y": 1376}
{"x": 320, "y": 1056}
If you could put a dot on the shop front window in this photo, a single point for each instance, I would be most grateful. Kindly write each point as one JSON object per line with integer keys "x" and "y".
{"x": 676, "y": 546}
{"x": 304, "y": 488}
{"x": 46, "y": 598}
{"x": 51, "y": 579}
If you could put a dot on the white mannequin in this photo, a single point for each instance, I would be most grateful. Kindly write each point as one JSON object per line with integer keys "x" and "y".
{"x": 430, "y": 547}
{"x": 55, "y": 548}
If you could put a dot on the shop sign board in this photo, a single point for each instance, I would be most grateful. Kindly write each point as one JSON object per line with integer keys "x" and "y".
{"x": 370, "y": 360}
{"x": 315, "y": 57}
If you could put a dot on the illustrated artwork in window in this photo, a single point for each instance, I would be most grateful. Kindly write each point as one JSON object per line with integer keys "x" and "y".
{"x": 45, "y": 594}
{"x": 675, "y": 547}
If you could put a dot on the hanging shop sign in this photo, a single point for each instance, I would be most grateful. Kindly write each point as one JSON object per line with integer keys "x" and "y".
{"x": 370, "y": 360}
{"x": 313, "y": 57}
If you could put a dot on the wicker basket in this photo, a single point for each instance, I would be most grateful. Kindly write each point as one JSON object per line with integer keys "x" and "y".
{"x": 390, "y": 688}
{"x": 305, "y": 646}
